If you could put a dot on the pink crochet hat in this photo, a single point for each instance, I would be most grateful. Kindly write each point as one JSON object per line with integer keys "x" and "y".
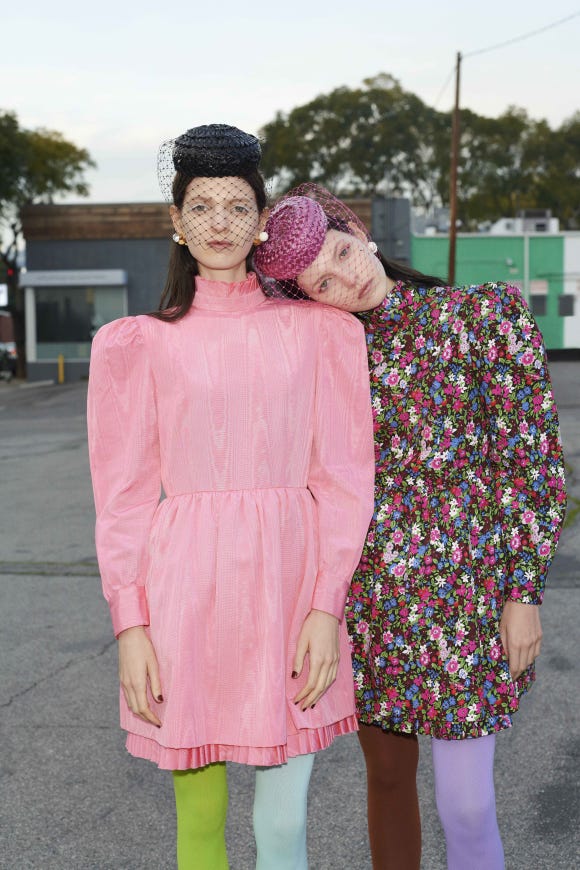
{"x": 296, "y": 231}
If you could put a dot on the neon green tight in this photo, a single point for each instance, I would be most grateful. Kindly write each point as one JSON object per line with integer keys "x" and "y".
{"x": 201, "y": 801}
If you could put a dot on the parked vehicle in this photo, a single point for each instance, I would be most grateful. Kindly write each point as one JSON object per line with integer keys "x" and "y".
{"x": 7, "y": 360}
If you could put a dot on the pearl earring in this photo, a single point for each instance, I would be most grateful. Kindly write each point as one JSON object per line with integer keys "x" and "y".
{"x": 179, "y": 240}
{"x": 373, "y": 247}
{"x": 261, "y": 237}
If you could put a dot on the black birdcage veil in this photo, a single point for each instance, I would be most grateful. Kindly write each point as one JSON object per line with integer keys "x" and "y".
{"x": 209, "y": 174}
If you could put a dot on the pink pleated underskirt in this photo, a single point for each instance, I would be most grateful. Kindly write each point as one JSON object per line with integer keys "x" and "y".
{"x": 301, "y": 742}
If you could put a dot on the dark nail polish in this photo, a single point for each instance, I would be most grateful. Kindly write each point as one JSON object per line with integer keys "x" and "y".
{"x": 294, "y": 674}
{"x": 313, "y": 706}
{"x": 159, "y": 699}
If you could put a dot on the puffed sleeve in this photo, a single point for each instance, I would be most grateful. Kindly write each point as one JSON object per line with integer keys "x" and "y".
{"x": 125, "y": 466}
{"x": 341, "y": 474}
{"x": 525, "y": 445}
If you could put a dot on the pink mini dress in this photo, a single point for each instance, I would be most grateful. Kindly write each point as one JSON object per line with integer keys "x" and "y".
{"x": 233, "y": 465}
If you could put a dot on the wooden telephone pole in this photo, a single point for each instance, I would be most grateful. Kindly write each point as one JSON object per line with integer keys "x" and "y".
{"x": 453, "y": 176}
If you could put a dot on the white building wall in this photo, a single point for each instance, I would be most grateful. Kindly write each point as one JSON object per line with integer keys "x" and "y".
{"x": 572, "y": 286}
{"x": 508, "y": 226}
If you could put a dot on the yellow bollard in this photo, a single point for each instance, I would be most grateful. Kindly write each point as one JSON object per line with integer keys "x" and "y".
{"x": 60, "y": 364}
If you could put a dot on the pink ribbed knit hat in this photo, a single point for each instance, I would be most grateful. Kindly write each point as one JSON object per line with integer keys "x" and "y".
{"x": 296, "y": 231}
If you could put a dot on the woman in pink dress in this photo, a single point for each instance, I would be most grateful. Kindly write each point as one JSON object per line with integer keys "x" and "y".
{"x": 252, "y": 416}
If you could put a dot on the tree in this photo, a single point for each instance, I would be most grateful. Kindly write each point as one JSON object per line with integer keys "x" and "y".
{"x": 35, "y": 166}
{"x": 380, "y": 138}
{"x": 377, "y": 137}
{"x": 495, "y": 168}
{"x": 555, "y": 156}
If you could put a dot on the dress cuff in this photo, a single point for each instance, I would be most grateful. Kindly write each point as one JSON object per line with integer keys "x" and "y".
{"x": 524, "y": 594}
{"x": 330, "y": 600}
{"x": 129, "y": 608}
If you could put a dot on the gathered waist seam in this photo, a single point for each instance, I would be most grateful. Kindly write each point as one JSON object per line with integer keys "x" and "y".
{"x": 225, "y": 491}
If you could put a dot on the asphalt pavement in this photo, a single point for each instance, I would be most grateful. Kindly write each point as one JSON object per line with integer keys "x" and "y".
{"x": 70, "y": 795}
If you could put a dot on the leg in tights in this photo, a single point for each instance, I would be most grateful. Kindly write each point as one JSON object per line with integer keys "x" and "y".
{"x": 201, "y": 801}
{"x": 280, "y": 814}
{"x": 466, "y": 802}
{"x": 393, "y": 806}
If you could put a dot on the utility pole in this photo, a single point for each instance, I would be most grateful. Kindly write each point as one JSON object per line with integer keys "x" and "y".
{"x": 453, "y": 176}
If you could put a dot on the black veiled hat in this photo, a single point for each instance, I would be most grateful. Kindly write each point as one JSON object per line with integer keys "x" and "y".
{"x": 210, "y": 151}
{"x": 216, "y": 150}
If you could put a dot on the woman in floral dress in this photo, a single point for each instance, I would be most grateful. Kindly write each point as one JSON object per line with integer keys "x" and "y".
{"x": 443, "y": 611}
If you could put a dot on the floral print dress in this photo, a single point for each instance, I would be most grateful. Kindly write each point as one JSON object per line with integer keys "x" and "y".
{"x": 469, "y": 502}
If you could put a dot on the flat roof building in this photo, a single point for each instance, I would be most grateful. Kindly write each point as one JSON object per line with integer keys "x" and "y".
{"x": 87, "y": 265}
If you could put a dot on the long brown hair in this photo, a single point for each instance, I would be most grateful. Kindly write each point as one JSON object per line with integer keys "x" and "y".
{"x": 399, "y": 272}
{"x": 179, "y": 289}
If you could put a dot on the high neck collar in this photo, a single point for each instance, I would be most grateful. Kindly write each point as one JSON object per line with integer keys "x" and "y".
{"x": 228, "y": 296}
{"x": 386, "y": 308}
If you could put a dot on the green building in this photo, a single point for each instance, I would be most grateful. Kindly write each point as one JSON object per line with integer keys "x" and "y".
{"x": 545, "y": 266}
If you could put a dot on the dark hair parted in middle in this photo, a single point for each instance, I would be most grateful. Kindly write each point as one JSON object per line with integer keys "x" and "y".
{"x": 179, "y": 290}
{"x": 217, "y": 151}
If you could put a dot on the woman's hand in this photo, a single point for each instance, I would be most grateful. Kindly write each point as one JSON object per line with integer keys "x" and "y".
{"x": 521, "y": 635}
{"x": 319, "y": 639}
{"x": 137, "y": 663}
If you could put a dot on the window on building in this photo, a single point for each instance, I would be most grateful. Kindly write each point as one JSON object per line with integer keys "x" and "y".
{"x": 68, "y": 317}
{"x": 566, "y": 305}
{"x": 538, "y": 304}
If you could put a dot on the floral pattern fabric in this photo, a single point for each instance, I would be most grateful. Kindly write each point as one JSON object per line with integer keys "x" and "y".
{"x": 469, "y": 502}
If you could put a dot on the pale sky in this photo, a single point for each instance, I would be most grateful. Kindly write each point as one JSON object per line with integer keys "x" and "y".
{"x": 120, "y": 77}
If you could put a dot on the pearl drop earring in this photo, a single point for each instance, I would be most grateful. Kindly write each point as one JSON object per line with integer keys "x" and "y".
{"x": 261, "y": 237}
{"x": 373, "y": 247}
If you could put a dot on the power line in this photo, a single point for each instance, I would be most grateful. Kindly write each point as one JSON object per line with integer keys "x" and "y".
{"x": 445, "y": 86}
{"x": 523, "y": 36}
{"x": 502, "y": 45}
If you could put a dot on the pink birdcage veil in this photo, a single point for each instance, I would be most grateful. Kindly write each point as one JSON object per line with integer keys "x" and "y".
{"x": 318, "y": 248}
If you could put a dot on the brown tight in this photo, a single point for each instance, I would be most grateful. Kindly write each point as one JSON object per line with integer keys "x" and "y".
{"x": 393, "y": 806}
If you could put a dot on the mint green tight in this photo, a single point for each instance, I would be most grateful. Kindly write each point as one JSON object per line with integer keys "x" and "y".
{"x": 201, "y": 801}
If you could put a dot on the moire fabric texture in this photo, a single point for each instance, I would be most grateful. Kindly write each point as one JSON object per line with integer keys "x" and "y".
{"x": 469, "y": 506}
{"x": 254, "y": 416}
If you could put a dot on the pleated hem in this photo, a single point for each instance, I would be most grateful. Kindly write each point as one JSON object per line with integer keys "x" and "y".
{"x": 303, "y": 742}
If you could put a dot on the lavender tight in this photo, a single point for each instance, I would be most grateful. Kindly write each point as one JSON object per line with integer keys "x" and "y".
{"x": 466, "y": 802}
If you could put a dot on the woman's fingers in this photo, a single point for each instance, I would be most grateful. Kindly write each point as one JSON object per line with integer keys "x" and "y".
{"x": 522, "y": 657}
{"x": 312, "y": 690}
{"x": 137, "y": 664}
{"x": 318, "y": 637}
{"x": 521, "y": 635}
{"x": 321, "y": 676}
{"x": 143, "y": 709}
{"x": 154, "y": 679}
{"x": 301, "y": 650}
{"x": 326, "y": 678}
{"x": 138, "y": 702}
